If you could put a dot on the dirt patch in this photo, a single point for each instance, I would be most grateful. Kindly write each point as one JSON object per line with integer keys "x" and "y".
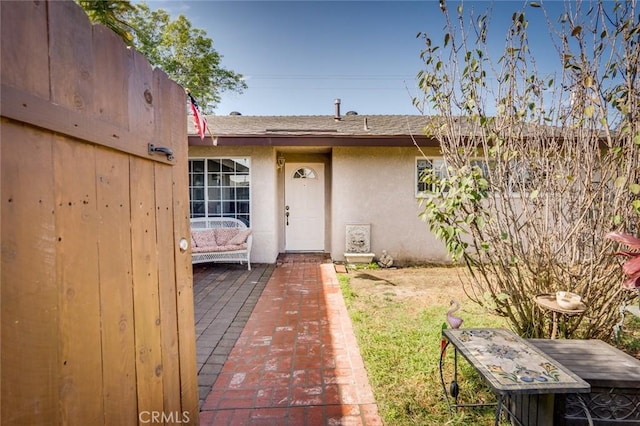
{"x": 429, "y": 286}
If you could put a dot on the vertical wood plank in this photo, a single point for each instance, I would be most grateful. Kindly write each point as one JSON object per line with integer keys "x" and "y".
{"x": 116, "y": 296}
{"x": 24, "y": 29}
{"x": 146, "y": 297}
{"x": 111, "y": 70}
{"x": 71, "y": 56}
{"x": 166, "y": 265}
{"x": 170, "y": 103}
{"x": 176, "y": 130}
{"x": 164, "y": 107}
{"x": 140, "y": 105}
{"x": 166, "y": 281}
{"x": 29, "y": 294}
{"x": 77, "y": 274}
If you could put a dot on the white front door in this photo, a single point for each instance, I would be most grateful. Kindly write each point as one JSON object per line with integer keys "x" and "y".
{"x": 304, "y": 206}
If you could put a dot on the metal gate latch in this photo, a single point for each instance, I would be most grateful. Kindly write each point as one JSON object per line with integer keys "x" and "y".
{"x": 161, "y": 149}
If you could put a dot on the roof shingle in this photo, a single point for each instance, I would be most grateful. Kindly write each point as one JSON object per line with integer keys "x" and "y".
{"x": 317, "y": 125}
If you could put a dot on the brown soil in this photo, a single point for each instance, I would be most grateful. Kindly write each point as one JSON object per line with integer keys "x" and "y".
{"x": 429, "y": 286}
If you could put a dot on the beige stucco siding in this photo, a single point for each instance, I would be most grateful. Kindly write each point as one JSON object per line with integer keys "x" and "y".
{"x": 374, "y": 185}
{"x": 263, "y": 195}
{"x": 377, "y": 186}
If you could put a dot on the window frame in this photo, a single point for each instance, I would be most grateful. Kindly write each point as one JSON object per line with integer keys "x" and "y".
{"x": 444, "y": 170}
{"x": 231, "y": 205}
{"x": 417, "y": 182}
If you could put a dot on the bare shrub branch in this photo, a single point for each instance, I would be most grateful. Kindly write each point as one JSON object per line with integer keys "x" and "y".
{"x": 540, "y": 166}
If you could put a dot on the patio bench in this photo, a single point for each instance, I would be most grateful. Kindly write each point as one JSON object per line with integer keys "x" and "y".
{"x": 220, "y": 239}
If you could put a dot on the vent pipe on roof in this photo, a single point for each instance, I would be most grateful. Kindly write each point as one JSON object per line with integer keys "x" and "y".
{"x": 337, "y": 110}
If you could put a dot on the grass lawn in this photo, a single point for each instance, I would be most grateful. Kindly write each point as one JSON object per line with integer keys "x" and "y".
{"x": 397, "y": 316}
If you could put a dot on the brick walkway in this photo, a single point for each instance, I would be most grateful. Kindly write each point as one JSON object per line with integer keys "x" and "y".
{"x": 297, "y": 361}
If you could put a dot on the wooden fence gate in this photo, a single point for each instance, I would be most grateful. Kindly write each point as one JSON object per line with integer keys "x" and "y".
{"x": 96, "y": 297}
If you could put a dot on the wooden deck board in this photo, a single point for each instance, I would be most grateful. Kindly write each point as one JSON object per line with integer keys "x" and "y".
{"x": 634, "y": 310}
{"x": 594, "y": 361}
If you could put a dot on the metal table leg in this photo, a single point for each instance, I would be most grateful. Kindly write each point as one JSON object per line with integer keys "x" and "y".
{"x": 443, "y": 351}
{"x": 498, "y": 410}
{"x": 453, "y": 388}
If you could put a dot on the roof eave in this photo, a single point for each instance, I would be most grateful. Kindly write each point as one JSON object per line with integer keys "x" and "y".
{"x": 316, "y": 140}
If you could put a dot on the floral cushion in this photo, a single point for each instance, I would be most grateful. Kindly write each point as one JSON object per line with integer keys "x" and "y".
{"x": 219, "y": 239}
{"x": 219, "y": 248}
{"x": 231, "y": 247}
{"x": 196, "y": 249}
{"x": 223, "y": 235}
{"x": 240, "y": 237}
{"x": 205, "y": 238}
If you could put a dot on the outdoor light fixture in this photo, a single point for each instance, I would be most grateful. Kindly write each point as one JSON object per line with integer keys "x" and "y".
{"x": 280, "y": 161}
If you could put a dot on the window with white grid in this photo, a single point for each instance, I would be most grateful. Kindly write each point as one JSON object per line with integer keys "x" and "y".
{"x": 220, "y": 187}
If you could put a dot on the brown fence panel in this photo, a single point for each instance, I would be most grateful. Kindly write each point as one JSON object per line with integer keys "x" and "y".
{"x": 176, "y": 129}
{"x": 167, "y": 268}
{"x": 25, "y": 65}
{"x": 96, "y": 296}
{"x": 116, "y": 282}
{"x": 145, "y": 288}
{"x": 29, "y": 294}
{"x": 76, "y": 276}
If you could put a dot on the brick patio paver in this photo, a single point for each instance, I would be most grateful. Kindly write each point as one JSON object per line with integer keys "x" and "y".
{"x": 224, "y": 295}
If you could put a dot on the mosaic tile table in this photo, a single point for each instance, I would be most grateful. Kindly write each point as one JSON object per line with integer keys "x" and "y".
{"x": 510, "y": 365}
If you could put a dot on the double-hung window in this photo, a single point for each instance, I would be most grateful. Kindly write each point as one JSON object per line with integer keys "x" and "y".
{"x": 220, "y": 187}
{"x": 439, "y": 167}
{"x": 423, "y": 165}
{"x": 523, "y": 178}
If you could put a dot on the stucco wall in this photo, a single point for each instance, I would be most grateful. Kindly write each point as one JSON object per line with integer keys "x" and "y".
{"x": 263, "y": 199}
{"x": 374, "y": 185}
{"x": 377, "y": 186}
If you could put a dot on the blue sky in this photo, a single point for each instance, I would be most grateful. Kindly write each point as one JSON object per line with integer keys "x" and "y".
{"x": 298, "y": 56}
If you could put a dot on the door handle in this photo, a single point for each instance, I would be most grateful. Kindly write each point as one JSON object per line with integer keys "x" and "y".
{"x": 287, "y": 216}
